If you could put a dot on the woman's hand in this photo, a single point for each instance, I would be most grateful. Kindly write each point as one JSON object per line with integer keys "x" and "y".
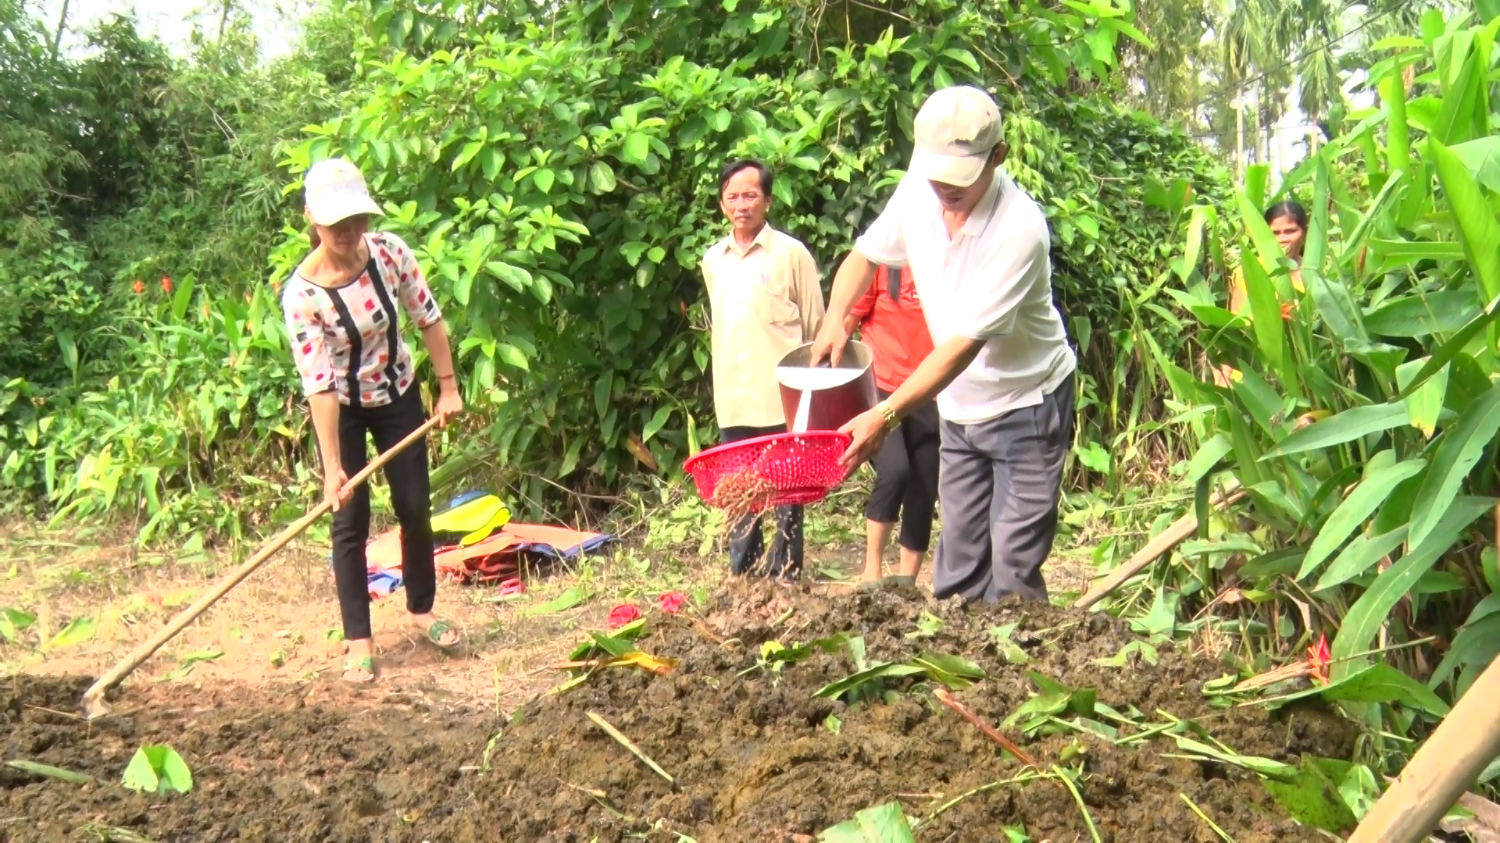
{"x": 449, "y": 404}
{"x": 334, "y": 481}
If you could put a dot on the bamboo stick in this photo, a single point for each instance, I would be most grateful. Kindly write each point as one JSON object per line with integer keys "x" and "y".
{"x": 1169, "y": 538}
{"x": 1441, "y": 772}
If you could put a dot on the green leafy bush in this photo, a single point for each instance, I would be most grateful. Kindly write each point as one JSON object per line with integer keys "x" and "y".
{"x": 556, "y": 170}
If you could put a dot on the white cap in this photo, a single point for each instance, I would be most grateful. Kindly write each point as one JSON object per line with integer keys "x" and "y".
{"x": 956, "y": 130}
{"x": 336, "y": 191}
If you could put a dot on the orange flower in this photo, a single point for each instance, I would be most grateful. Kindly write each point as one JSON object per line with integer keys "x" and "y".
{"x": 138, "y": 287}
{"x": 166, "y": 284}
{"x": 275, "y": 286}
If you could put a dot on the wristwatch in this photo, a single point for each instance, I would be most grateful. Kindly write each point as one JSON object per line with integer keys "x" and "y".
{"x": 892, "y": 421}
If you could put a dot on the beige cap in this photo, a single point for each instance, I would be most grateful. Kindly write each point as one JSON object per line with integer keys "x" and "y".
{"x": 956, "y": 130}
{"x": 335, "y": 191}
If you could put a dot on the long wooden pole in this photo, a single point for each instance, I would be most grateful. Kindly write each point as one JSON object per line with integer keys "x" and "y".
{"x": 93, "y": 699}
{"x": 1168, "y": 539}
{"x": 1441, "y": 772}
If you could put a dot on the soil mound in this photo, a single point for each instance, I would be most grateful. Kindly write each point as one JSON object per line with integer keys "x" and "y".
{"x": 755, "y": 755}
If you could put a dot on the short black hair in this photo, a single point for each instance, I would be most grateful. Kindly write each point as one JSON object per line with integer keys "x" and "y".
{"x": 1289, "y": 208}
{"x": 767, "y": 178}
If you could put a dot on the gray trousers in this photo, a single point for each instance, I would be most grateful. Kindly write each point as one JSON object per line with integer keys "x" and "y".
{"x": 999, "y": 485}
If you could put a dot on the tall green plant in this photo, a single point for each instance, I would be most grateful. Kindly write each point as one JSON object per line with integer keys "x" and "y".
{"x": 1364, "y": 421}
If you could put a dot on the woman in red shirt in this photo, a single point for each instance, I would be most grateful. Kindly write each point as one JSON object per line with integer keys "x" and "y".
{"x": 891, "y": 323}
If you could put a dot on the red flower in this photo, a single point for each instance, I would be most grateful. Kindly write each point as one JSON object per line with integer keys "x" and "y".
{"x": 138, "y": 287}
{"x": 166, "y": 284}
{"x": 1318, "y": 659}
{"x": 671, "y": 602}
{"x": 622, "y": 614}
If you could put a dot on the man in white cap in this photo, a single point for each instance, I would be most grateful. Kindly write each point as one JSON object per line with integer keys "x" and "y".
{"x": 1001, "y": 367}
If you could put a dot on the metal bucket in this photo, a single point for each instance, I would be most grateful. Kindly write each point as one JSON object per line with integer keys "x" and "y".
{"x": 831, "y": 406}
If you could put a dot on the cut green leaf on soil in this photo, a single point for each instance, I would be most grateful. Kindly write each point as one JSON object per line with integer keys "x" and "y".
{"x": 881, "y": 824}
{"x": 158, "y": 770}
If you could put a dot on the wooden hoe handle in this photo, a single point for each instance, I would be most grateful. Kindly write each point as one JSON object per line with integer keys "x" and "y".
{"x": 93, "y": 698}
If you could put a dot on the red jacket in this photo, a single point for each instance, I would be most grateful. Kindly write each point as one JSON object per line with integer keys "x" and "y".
{"x": 896, "y": 331}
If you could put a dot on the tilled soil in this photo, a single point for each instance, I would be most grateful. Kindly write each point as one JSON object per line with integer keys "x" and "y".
{"x": 754, "y": 754}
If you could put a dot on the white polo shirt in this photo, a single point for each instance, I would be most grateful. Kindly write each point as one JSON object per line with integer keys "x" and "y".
{"x": 991, "y": 282}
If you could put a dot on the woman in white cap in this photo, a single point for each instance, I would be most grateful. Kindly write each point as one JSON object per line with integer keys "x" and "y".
{"x": 1001, "y": 367}
{"x": 359, "y": 378}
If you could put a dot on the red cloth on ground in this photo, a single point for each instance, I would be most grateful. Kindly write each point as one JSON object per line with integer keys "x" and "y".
{"x": 896, "y": 332}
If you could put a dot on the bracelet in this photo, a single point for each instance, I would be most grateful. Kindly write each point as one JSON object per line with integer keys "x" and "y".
{"x": 447, "y": 377}
{"x": 892, "y": 421}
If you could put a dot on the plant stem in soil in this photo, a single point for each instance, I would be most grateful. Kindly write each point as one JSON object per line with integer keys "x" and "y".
{"x": 628, "y": 744}
{"x": 994, "y": 734}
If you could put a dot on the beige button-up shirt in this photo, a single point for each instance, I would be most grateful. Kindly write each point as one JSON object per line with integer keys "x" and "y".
{"x": 764, "y": 301}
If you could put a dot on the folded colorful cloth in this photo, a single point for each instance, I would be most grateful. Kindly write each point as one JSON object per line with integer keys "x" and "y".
{"x": 493, "y": 558}
{"x": 384, "y": 583}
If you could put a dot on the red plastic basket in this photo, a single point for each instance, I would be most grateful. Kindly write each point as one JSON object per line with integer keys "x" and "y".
{"x": 790, "y": 468}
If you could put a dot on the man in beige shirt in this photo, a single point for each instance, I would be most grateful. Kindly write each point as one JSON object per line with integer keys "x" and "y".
{"x": 764, "y": 300}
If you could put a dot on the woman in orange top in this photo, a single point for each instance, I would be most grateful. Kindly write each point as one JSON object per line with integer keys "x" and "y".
{"x": 1288, "y": 222}
{"x": 890, "y": 321}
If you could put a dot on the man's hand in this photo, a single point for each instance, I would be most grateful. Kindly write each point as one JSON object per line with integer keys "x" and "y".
{"x": 829, "y": 344}
{"x": 334, "y": 481}
{"x": 868, "y": 431}
{"x": 449, "y": 404}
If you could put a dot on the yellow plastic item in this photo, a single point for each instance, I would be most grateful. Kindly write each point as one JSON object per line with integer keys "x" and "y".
{"x": 470, "y": 520}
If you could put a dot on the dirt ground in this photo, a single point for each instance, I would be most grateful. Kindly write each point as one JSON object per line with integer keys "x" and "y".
{"x": 754, "y": 755}
{"x": 281, "y": 625}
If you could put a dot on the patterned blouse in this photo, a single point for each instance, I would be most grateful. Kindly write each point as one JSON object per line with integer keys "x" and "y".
{"x": 330, "y": 327}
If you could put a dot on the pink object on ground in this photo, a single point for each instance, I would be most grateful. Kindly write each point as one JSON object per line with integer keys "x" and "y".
{"x": 622, "y": 614}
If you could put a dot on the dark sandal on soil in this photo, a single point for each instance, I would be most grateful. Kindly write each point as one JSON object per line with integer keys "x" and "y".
{"x": 365, "y": 663}
{"x": 438, "y": 629}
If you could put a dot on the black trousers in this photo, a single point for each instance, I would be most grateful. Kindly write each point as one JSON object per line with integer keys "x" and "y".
{"x": 906, "y": 476}
{"x": 410, "y": 497}
{"x": 747, "y": 544}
